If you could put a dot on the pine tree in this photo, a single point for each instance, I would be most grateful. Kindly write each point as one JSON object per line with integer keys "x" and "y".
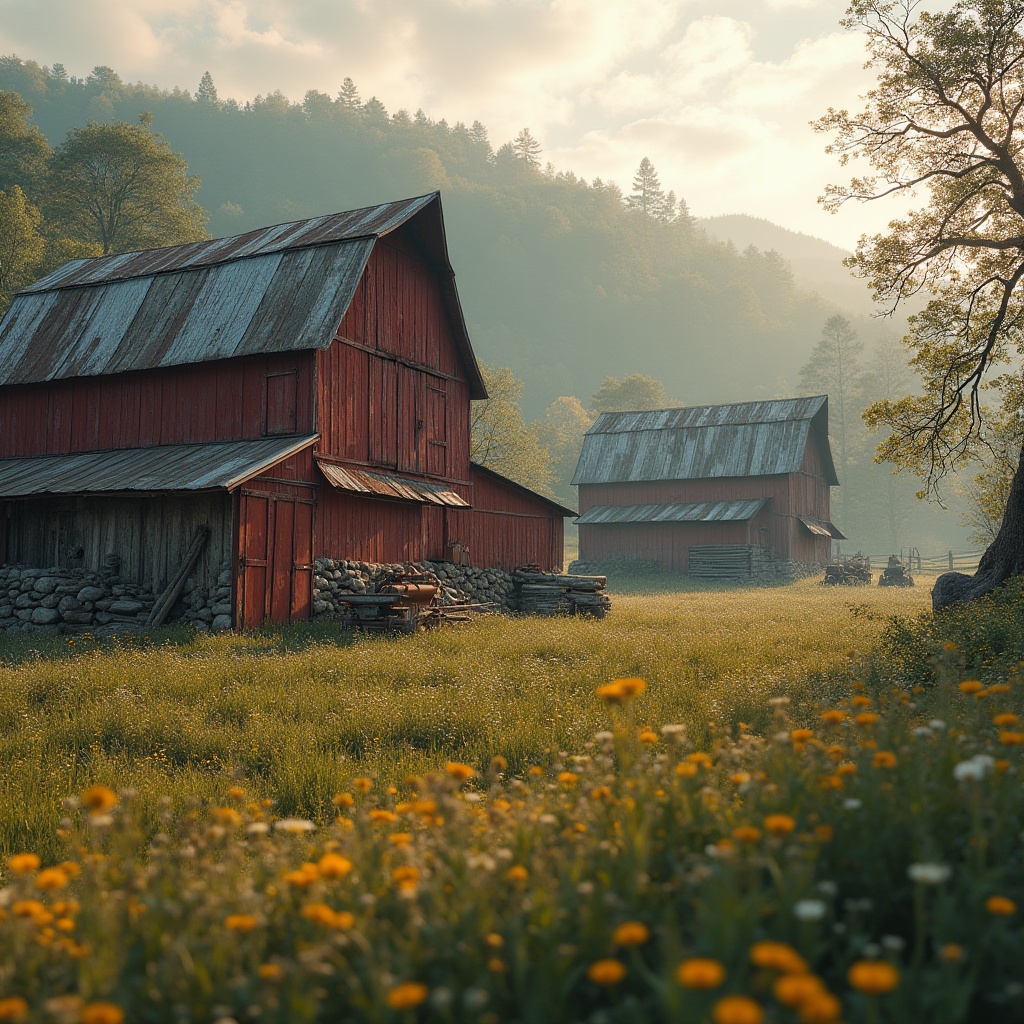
{"x": 207, "y": 91}
{"x": 667, "y": 212}
{"x": 647, "y": 196}
{"x": 348, "y": 94}
{"x": 527, "y": 148}
{"x": 478, "y": 133}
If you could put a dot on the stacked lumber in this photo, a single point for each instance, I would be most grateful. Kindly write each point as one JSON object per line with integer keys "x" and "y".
{"x": 549, "y": 593}
{"x": 720, "y": 561}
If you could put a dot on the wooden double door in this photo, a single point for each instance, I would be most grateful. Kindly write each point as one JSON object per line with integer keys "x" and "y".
{"x": 275, "y": 556}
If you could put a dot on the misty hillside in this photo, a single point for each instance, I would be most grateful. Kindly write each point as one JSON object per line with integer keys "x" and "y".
{"x": 816, "y": 264}
{"x": 559, "y": 279}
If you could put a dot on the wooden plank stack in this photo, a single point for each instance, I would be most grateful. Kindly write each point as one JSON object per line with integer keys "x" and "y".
{"x": 548, "y": 593}
{"x": 726, "y": 561}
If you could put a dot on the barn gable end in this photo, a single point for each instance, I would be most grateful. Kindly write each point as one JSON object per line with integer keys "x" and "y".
{"x": 654, "y": 485}
{"x": 338, "y": 341}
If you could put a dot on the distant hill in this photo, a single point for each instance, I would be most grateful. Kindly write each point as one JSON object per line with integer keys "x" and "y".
{"x": 817, "y": 265}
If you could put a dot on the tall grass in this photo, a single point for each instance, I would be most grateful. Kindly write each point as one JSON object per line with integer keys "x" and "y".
{"x": 297, "y": 713}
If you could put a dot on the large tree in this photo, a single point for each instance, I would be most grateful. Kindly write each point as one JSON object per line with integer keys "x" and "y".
{"x": 631, "y": 393}
{"x": 120, "y": 185}
{"x": 24, "y": 150}
{"x": 940, "y": 131}
{"x": 834, "y": 368}
{"x": 501, "y": 439}
{"x": 647, "y": 197}
{"x": 22, "y": 247}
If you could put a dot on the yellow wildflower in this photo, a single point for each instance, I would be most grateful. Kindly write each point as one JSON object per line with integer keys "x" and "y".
{"x": 23, "y": 863}
{"x": 606, "y": 972}
{"x": 779, "y": 824}
{"x": 701, "y": 973}
{"x": 866, "y": 718}
{"x": 333, "y": 866}
{"x": 51, "y": 880}
{"x": 99, "y": 799}
{"x": 407, "y": 995}
{"x": 746, "y": 834}
{"x": 101, "y": 1013}
{"x": 240, "y": 922}
{"x": 833, "y": 716}
{"x": 1001, "y": 906}
{"x": 874, "y": 977}
{"x": 270, "y": 972}
{"x": 884, "y": 759}
{"x": 631, "y": 933}
{"x": 517, "y": 873}
{"x": 568, "y": 779}
{"x": 458, "y": 771}
{"x": 777, "y": 956}
{"x": 970, "y": 686}
{"x": 13, "y": 1008}
{"x": 737, "y": 1010}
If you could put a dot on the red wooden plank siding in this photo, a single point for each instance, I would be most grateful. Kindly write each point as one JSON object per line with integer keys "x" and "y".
{"x": 368, "y": 529}
{"x": 206, "y": 402}
{"x": 805, "y": 493}
{"x": 391, "y": 392}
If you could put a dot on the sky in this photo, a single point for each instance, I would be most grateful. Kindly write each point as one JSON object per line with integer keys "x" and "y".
{"x": 718, "y": 94}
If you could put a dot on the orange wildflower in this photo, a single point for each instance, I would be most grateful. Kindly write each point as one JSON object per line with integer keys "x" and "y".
{"x": 606, "y": 972}
{"x": 700, "y": 973}
{"x": 875, "y": 977}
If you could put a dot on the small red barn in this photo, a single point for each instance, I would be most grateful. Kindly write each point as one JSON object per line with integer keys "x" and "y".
{"x": 301, "y": 391}
{"x": 657, "y": 486}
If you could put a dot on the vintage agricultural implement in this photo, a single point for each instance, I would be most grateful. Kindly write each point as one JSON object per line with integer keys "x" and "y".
{"x": 405, "y": 602}
{"x": 896, "y": 574}
{"x": 848, "y": 571}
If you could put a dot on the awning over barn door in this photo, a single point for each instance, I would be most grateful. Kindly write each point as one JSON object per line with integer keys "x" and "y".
{"x": 676, "y": 512}
{"x": 379, "y": 485}
{"x": 821, "y": 528}
{"x": 172, "y": 467}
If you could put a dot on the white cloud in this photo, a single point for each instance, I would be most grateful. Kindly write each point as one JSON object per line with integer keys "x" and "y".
{"x": 719, "y": 101}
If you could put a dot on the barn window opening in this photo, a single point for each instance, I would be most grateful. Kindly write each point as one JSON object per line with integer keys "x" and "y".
{"x": 281, "y": 402}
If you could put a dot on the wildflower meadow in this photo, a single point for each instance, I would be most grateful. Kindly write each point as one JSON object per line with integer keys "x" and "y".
{"x": 745, "y": 806}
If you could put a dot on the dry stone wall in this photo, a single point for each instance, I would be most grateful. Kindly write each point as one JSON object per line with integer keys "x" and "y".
{"x": 73, "y": 601}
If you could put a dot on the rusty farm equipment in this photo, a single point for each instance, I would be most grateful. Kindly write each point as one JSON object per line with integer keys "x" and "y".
{"x": 896, "y": 574}
{"x": 848, "y": 571}
{"x": 405, "y": 602}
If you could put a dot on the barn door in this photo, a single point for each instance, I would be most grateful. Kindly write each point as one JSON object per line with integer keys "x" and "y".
{"x": 275, "y": 559}
{"x": 437, "y": 435}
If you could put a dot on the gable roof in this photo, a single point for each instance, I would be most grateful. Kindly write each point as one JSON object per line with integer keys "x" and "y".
{"x": 706, "y": 441}
{"x": 279, "y": 289}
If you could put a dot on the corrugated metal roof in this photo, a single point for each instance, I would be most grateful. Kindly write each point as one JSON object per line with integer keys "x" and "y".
{"x": 704, "y": 442}
{"x": 176, "y": 467}
{"x": 384, "y": 486}
{"x": 283, "y": 288}
{"x": 677, "y": 512}
{"x": 822, "y": 528}
{"x": 566, "y": 513}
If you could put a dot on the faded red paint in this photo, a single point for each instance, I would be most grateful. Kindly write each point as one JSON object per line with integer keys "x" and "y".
{"x": 221, "y": 401}
{"x": 805, "y": 493}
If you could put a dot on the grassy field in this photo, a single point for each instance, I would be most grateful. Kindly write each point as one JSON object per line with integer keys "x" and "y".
{"x": 774, "y": 806}
{"x": 296, "y": 715}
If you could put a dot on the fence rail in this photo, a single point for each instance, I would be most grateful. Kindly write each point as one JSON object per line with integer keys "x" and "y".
{"x": 934, "y": 565}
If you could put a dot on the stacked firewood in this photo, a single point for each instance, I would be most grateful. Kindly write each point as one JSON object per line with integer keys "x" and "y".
{"x": 548, "y": 593}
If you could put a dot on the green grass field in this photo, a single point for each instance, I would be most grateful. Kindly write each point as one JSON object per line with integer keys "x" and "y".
{"x": 802, "y": 807}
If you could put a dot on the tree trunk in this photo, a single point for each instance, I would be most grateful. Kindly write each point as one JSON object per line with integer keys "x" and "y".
{"x": 1003, "y": 559}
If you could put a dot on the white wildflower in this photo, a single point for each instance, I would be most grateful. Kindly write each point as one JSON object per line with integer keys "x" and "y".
{"x": 929, "y": 874}
{"x": 294, "y": 825}
{"x": 809, "y": 910}
{"x": 851, "y": 804}
{"x": 258, "y": 828}
{"x": 937, "y": 724}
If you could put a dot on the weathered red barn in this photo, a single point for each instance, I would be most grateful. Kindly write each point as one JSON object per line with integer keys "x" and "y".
{"x": 302, "y": 391}
{"x": 655, "y": 486}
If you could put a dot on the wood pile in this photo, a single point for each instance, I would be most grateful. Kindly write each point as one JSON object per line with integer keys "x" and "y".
{"x": 547, "y": 593}
{"x": 727, "y": 561}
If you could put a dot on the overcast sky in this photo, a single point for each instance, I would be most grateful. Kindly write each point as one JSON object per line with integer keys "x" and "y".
{"x": 717, "y": 94}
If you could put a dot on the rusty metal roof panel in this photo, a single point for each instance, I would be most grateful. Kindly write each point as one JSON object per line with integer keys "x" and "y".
{"x": 705, "y": 442}
{"x": 382, "y": 485}
{"x": 282, "y": 288}
{"x": 822, "y": 528}
{"x": 177, "y": 467}
{"x": 675, "y": 512}
{"x": 369, "y": 222}
{"x": 284, "y": 301}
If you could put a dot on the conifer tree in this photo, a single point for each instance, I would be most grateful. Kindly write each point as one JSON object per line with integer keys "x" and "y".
{"x": 647, "y": 197}
{"x": 207, "y": 91}
{"x": 527, "y": 148}
{"x": 348, "y": 94}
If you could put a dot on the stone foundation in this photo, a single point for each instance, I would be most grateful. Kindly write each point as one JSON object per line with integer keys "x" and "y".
{"x": 333, "y": 578}
{"x": 76, "y": 601}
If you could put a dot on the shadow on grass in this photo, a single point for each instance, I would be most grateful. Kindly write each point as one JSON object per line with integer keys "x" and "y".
{"x": 19, "y": 649}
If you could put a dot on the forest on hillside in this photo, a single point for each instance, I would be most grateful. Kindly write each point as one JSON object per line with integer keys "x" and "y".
{"x": 563, "y": 281}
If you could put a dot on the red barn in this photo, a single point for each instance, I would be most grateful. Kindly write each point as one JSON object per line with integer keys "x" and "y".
{"x": 301, "y": 391}
{"x": 710, "y": 482}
